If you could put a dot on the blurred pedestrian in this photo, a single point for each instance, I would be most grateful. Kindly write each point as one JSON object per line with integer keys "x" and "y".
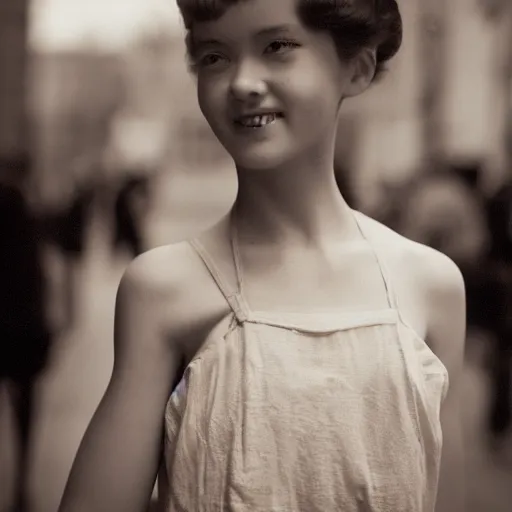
{"x": 447, "y": 210}
{"x": 499, "y": 216}
{"x": 25, "y": 336}
{"x": 131, "y": 206}
{"x": 67, "y": 228}
{"x": 442, "y": 209}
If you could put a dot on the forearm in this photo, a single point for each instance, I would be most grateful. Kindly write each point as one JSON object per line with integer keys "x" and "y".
{"x": 115, "y": 468}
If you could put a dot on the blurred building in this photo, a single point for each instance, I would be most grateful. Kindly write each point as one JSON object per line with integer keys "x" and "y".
{"x": 14, "y": 136}
{"x": 452, "y": 50}
{"x": 445, "y": 90}
{"x": 73, "y": 96}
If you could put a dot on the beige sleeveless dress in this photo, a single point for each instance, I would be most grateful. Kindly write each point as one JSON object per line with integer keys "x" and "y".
{"x": 310, "y": 413}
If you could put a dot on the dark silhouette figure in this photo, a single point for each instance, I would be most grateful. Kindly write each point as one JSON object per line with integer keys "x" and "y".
{"x": 127, "y": 232}
{"x": 24, "y": 332}
{"x": 499, "y": 216}
{"x": 67, "y": 228}
{"x": 72, "y": 223}
{"x": 487, "y": 267}
{"x": 489, "y": 297}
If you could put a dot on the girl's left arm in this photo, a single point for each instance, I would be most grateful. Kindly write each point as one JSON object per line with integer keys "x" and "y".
{"x": 446, "y": 336}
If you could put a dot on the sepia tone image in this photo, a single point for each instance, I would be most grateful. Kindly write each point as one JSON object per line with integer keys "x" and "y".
{"x": 255, "y": 255}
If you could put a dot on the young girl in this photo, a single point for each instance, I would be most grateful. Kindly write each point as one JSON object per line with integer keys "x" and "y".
{"x": 311, "y": 344}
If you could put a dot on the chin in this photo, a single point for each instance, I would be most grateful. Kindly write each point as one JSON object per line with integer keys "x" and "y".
{"x": 260, "y": 158}
{"x": 259, "y": 162}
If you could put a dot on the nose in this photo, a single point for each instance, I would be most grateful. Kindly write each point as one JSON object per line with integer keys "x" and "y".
{"x": 248, "y": 82}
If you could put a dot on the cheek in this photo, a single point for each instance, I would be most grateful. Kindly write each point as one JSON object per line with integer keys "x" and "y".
{"x": 210, "y": 102}
{"x": 315, "y": 103}
{"x": 204, "y": 102}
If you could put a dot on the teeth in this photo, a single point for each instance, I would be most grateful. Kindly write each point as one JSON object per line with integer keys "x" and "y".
{"x": 258, "y": 121}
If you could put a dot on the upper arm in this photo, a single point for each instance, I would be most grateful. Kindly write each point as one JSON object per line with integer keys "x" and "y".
{"x": 446, "y": 335}
{"x": 118, "y": 459}
{"x": 142, "y": 347}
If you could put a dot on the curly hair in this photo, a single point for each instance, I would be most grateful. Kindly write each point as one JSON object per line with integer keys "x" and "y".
{"x": 353, "y": 24}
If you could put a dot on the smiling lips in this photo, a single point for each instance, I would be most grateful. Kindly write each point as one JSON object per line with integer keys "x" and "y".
{"x": 258, "y": 120}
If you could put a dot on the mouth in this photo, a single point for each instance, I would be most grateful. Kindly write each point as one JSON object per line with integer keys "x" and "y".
{"x": 258, "y": 120}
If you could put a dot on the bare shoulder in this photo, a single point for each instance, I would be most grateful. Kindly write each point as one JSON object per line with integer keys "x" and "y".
{"x": 433, "y": 279}
{"x": 174, "y": 288}
{"x": 160, "y": 270}
{"x": 172, "y": 268}
{"x": 445, "y": 300}
{"x": 432, "y": 270}
{"x": 169, "y": 277}
{"x": 152, "y": 294}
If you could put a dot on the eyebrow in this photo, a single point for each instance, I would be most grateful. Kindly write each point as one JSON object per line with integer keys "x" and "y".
{"x": 277, "y": 29}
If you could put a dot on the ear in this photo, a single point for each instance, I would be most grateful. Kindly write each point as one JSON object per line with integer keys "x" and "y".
{"x": 363, "y": 71}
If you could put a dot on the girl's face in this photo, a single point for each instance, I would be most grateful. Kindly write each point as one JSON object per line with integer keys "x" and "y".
{"x": 269, "y": 88}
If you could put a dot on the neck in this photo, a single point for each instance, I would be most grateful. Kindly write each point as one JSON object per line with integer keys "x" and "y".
{"x": 293, "y": 205}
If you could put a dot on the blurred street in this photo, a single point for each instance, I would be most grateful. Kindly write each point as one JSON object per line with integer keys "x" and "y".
{"x": 81, "y": 365}
{"x": 81, "y": 362}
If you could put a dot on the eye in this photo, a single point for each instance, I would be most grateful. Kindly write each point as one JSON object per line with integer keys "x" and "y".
{"x": 281, "y": 46}
{"x": 209, "y": 60}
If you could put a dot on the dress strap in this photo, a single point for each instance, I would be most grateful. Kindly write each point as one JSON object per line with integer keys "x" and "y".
{"x": 383, "y": 268}
{"x": 232, "y": 296}
{"x": 235, "y": 248}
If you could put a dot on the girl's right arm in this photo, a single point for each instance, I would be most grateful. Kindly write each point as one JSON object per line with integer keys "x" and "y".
{"x": 118, "y": 459}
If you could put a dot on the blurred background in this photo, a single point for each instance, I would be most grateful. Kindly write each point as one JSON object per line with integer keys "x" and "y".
{"x": 103, "y": 154}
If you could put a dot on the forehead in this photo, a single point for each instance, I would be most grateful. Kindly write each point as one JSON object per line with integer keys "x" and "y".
{"x": 250, "y": 18}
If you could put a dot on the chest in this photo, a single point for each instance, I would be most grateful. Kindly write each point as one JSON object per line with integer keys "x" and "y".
{"x": 290, "y": 411}
{"x": 296, "y": 285}
{"x": 302, "y": 283}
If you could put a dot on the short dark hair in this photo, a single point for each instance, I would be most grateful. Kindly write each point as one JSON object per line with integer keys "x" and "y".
{"x": 353, "y": 24}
